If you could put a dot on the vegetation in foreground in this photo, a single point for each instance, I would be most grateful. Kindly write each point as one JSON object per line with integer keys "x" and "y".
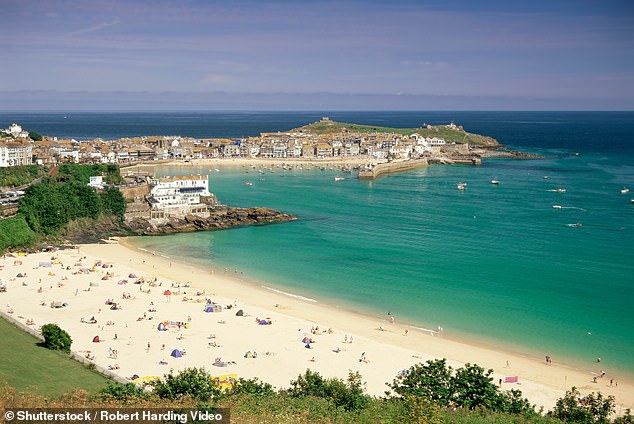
{"x": 427, "y": 393}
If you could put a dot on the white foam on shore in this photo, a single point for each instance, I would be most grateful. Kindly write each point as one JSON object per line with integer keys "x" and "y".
{"x": 296, "y": 296}
{"x": 427, "y": 330}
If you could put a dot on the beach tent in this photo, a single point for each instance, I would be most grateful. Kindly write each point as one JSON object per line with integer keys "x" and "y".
{"x": 19, "y": 275}
{"x": 176, "y": 353}
{"x": 105, "y": 277}
{"x": 95, "y": 339}
{"x": 131, "y": 276}
{"x": 120, "y": 282}
{"x": 240, "y": 313}
{"x": 213, "y": 307}
{"x": 45, "y": 264}
{"x": 161, "y": 327}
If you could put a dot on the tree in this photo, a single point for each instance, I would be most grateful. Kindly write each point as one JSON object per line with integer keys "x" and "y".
{"x": 35, "y": 136}
{"x": 431, "y": 381}
{"x": 473, "y": 387}
{"x": 55, "y": 338}
{"x": 194, "y": 382}
{"x": 593, "y": 408}
{"x": 113, "y": 202}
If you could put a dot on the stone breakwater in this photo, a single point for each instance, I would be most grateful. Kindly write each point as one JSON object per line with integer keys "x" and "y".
{"x": 391, "y": 167}
{"x": 220, "y": 218}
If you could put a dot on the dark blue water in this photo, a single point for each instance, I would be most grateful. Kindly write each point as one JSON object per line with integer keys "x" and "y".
{"x": 585, "y": 131}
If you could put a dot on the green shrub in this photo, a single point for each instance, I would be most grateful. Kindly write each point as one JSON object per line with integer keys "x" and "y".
{"x": 190, "y": 382}
{"x": 122, "y": 392}
{"x": 55, "y": 338}
{"x": 349, "y": 395}
{"x": 593, "y": 408}
{"x": 15, "y": 233}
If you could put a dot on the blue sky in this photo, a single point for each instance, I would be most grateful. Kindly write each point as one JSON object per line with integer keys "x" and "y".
{"x": 341, "y": 54}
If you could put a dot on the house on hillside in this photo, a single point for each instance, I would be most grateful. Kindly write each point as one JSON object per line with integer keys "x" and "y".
{"x": 13, "y": 153}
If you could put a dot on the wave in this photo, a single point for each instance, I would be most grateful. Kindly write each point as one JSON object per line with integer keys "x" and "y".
{"x": 296, "y": 296}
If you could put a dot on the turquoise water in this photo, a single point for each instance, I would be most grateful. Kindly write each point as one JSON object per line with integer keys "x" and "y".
{"x": 494, "y": 262}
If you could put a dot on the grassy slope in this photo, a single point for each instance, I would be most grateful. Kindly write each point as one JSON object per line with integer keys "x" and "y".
{"x": 450, "y": 135}
{"x": 24, "y": 365}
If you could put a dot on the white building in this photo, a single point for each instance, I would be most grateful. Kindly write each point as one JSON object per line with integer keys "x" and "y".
{"x": 15, "y": 154}
{"x": 14, "y": 129}
{"x": 96, "y": 181}
{"x": 179, "y": 195}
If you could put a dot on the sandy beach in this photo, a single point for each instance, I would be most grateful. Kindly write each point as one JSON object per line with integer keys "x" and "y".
{"x": 68, "y": 288}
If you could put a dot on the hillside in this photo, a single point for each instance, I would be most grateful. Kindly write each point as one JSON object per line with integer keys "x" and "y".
{"x": 450, "y": 134}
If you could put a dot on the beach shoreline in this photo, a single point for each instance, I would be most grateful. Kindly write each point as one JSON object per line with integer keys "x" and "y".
{"x": 384, "y": 342}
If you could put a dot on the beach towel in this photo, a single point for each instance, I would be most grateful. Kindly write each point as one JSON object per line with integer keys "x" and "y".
{"x": 513, "y": 379}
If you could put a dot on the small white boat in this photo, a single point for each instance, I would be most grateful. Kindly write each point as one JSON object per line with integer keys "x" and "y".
{"x": 461, "y": 186}
{"x": 545, "y": 177}
{"x": 494, "y": 181}
{"x": 557, "y": 206}
{"x": 338, "y": 178}
{"x": 625, "y": 190}
{"x": 249, "y": 183}
{"x": 216, "y": 169}
{"x": 561, "y": 190}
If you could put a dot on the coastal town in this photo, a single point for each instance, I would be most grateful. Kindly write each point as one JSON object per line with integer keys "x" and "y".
{"x": 20, "y": 147}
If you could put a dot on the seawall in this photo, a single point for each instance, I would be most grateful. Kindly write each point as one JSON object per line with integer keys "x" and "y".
{"x": 390, "y": 167}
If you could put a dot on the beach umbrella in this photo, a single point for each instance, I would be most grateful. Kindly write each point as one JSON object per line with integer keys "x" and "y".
{"x": 167, "y": 294}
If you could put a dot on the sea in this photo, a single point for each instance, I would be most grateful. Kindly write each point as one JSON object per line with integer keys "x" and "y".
{"x": 496, "y": 263}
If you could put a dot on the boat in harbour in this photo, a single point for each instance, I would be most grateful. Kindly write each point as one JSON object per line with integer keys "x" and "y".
{"x": 625, "y": 190}
{"x": 494, "y": 181}
{"x": 461, "y": 186}
{"x": 338, "y": 178}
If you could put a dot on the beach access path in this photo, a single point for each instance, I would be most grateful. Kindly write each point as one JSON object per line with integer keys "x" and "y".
{"x": 130, "y": 342}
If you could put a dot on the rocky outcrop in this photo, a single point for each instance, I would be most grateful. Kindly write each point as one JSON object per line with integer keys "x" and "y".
{"x": 220, "y": 218}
